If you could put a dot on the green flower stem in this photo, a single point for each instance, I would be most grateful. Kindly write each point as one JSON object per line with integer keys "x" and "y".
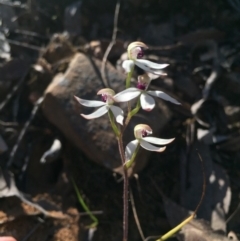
{"x": 130, "y": 162}
{"x": 176, "y": 229}
{"x": 136, "y": 109}
{"x": 133, "y": 112}
{"x": 113, "y": 124}
{"x": 129, "y": 107}
{"x": 128, "y": 80}
{"x": 128, "y": 83}
{"x": 84, "y": 205}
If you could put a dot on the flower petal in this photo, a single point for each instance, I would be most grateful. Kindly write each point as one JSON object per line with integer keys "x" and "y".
{"x": 106, "y": 91}
{"x": 150, "y": 147}
{"x": 128, "y": 65}
{"x": 130, "y": 148}
{"x": 158, "y": 72}
{"x": 163, "y": 96}
{"x": 147, "y": 102}
{"x": 149, "y": 64}
{"x": 136, "y": 44}
{"x": 118, "y": 113}
{"x": 89, "y": 103}
{"x": 152, "y": 76}
{"x": 157, "y": 141}
{"x": 127, "y": 95}
{"x": 99, "y": 112}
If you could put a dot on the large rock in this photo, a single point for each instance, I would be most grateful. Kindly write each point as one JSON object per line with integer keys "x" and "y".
{"x": 94, "y": 137}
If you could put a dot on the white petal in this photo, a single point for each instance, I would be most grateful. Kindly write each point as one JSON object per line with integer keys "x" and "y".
{"x": 150, "y": 147}
{"x": 130, "y": 148}
{"x": 128, "y": 90}
{"x": 149, "y": 70}
{"x": 158, "y": 72}
{"x": 118, "y": 113}
{"x": 128, "y": 65}
{"x": 101, "y": 111}
{"x": 152, "y": 76}
{"x": 147, "y": 102}
{"x": 157, "y": 141}
{"x": 127, "y": 95}
{"x": 89, "y": 103}
{"x": 149, "y": 64}
{"x": 162, "y": 95}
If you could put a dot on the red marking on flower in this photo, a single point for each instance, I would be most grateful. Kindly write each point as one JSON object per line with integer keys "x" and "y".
{"x": 104, "y": 97}
{"x": 144, "y": 133}
{"x": 141, "y": 86}
{"x": 140, "y": 54}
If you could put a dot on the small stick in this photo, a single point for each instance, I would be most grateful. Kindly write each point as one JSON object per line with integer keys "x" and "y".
{"x": 13, "y": 92}
{"x": 24, "y": 45}
{"x": 136, "y": 215}
{"x": 26, "y": 32}
{"x": 23, "y": 132}
{"x": 113, "y": 41}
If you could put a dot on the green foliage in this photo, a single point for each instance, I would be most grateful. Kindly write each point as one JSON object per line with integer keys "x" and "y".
{"x": 84, "y": 206}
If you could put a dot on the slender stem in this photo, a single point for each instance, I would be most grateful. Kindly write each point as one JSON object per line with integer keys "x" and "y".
{"x": 125, "y": 189}
{"x": 176, "y": 229}
{"x": 133, "y": 112}
{"x": 129, "y": 106}
{"x": 113, "y": 124}
{"x": 84, "y": 205}
{"x": 130, "y": 162}
{"x": 120, "y": 148}
{"x": 125, "y": 205}
{"x": 125, "y": 173}
{"x": 128, "y": 80}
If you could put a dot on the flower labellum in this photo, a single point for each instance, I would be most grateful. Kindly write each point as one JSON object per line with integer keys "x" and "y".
{"x": 105, "y": 105}
{"x": 143, "y": 82}
{"x": 136, "y": 50}
{"x": 135, "y": 54}
{"x": 141, "y": 131}
{"x": 107, "y": 95}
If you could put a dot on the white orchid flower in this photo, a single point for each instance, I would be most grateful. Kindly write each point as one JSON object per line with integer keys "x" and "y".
{"x": 135, "y": 54}
{"x": 141, "y": 133}
{"x": 105, "y": 105}
{"x": 146, "y": 100}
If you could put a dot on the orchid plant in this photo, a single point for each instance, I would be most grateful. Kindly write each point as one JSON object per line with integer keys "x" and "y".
{"x": 145, "y": 101}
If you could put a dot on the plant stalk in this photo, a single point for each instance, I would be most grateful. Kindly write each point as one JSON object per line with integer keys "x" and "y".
{"x": 125, "y": 189}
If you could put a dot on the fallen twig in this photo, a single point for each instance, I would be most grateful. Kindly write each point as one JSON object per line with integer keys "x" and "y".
{"x": 24, "y": 45}
{"x": 13, "y": 92}
{"x": 111, "y": 44}
{"x": 136, "y": 215}
{"x": 23, "y": 132}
